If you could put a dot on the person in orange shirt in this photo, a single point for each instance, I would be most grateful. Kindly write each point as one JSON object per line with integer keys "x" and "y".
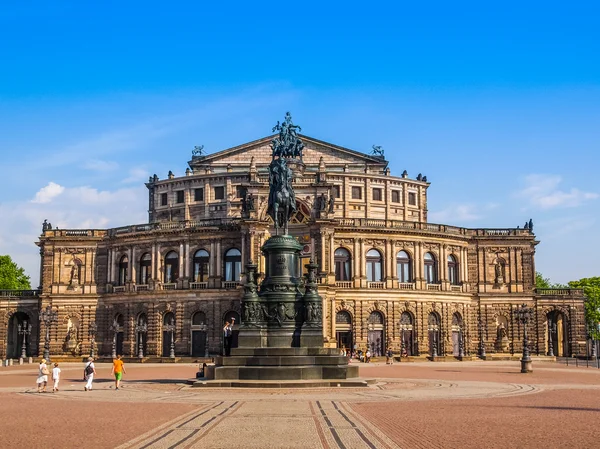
{"x": 118, "y": 370}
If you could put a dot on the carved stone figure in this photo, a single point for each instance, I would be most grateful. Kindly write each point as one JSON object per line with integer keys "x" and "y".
{"x": 74, "y": 280}
{"x": 287, "y": 144}
{"x": 499, "y": 278}
{"x": 331, "y": 204}
{"x": 250, "y": 202}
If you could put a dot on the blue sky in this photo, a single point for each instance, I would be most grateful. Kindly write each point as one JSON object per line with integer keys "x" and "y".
{"x": 499, "y": 105}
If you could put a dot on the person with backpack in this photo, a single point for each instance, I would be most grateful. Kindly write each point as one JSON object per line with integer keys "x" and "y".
{"x": 88, "y": 374}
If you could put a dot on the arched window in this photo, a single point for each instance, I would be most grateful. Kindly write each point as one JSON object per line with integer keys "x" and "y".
{"x": 123, "y": 265}
{"x": 343, "y": 317}
{"x": 453, "y": 270}
{"x": 198, "y": 319}
{"x": 233, "y": 265}
{"x": 142, "y": 319}
{"x": 200, "y": 266}
{"x": 171, "y": 267}
{"x": 120, "y": 321}
{"x": 341, "y": 257}
{"x": 145, "y": 268}
{"x": 169, "y": 318}
{"x": 430, "y": 269}
{"x": 403, "y": 267}
{"x": 376, "y": 333}
{"x": 374, "y": 268}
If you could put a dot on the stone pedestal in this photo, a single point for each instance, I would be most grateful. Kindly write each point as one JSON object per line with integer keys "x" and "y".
{"x": 281, "y": 333}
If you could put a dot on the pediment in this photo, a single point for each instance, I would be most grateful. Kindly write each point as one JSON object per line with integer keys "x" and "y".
{"x": 260, "y": 150}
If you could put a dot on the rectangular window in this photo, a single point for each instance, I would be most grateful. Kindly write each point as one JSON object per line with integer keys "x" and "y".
{"x": 412, "y": 199}
{"x": 395, "y": 196}
{"x": 163, "y": 199}
{"x": 199, "y": 195}
{"x": 376, "y": 194}
{"x": 356, "y": 193}
{"x": 219, "y": 193}
{"x": 336, "y": 192}
{"x": 180, "y": 195}
{"x": 239, "y": 191}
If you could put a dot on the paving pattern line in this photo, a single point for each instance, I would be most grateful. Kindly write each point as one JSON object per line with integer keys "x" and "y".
{"x": 217, "y": 420}
{"x": 155, "y": 437}
{"x": 162, "y": 427}
{"x": 409, "y": 438}
{"x": 373, "y": 430}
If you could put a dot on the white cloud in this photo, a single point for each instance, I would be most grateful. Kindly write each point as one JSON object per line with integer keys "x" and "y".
{"x": 455, "y": 214}
{"x": 47, "y": 193}
{"x": 543, "y": 191}
{"x": 80, "y": 207}
{"x": 100, "y": 165}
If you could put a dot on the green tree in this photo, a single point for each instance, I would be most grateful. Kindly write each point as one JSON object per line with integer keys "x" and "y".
{"x": 12, "y": 277}
{"x": 542, "y": 282}
{"x": 591, "y": 289}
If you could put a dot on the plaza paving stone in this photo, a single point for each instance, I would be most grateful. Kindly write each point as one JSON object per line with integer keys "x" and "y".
{"x": 413, "y": 405}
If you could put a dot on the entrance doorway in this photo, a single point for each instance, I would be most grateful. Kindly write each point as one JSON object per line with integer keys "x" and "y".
{"x": 557, "y": 333}
{"x": 343, "y": 330}
{"x": 376, "y": 334}
{"x": 456, "y": 334}
{"x": 406, "y": 334}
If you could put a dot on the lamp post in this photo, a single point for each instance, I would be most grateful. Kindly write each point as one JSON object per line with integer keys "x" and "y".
{"x": 92, "y": 331}
{"x": 141, "y": 328}
{"x": 461, "y": 344}
{"x": 48, "y": 316}
{"x": 114, "y": 328}
{"x": 551, "y": 331}
{"x": 524, "y": 316}
{"x": 204, "y": 328}
{"x": 482, "y": 331}
{"x": 433, "y": 330}
{"x": 24, "y": 329}
{"x": 171, "y": 328}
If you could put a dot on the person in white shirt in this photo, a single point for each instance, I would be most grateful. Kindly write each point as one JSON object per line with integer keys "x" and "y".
{"x": 88, "y": 374}
{"x": 55, "y": 377}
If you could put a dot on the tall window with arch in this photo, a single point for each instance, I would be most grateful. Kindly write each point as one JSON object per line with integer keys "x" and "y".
{"x": 233, "y": 265}
{"x": 430, "y": 266}
{"x": 171, "y": 267}
{"x": 145, "y": 271}
{"x": 341, "y": 258}
{"x": 453, "y": 277}
{"x": 403, "y": 267}
{"x": 374, "y": 266}
{"x": 123, "y": 268}
{"x": 200, "y": 266}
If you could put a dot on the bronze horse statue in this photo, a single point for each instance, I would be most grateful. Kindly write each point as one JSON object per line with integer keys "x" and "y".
{"x": 282, "y": 201}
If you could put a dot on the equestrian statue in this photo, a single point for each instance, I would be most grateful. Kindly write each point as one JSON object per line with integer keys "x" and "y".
{"x": 282, "y": 200}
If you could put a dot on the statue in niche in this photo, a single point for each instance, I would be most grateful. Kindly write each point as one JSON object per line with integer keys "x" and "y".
{"x": 331, "y": 204}
{"x": 74, "y": 276}
{"x": 498, "y": 272}
{"x": 502, "y": 343}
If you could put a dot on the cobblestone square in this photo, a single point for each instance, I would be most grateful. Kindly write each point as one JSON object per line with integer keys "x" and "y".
{"x": 412, "y": 405}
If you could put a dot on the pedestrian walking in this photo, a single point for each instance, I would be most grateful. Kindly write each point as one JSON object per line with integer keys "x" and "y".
{"x": 118, "y": 370}
{"x": 55, "y": 377}
{"x": 88, "y": 374}
{"x": 42, "y": 379}
{"x": 389, "y": 357}
{"x": 368, "y": 356}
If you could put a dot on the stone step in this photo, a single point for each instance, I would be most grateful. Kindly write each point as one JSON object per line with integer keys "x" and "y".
{"x": 308, "y": 372}
{"x": 285, "y": 351}
{"x": 286, "y": 360}
{"x": 348, "y": 383}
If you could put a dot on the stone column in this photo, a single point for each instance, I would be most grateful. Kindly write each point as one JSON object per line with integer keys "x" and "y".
{"x": 186, "y": 263}
{"x": 362, "y": 263}
{"x": 389, "y": 274}
{"x": 132, "y": 267}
